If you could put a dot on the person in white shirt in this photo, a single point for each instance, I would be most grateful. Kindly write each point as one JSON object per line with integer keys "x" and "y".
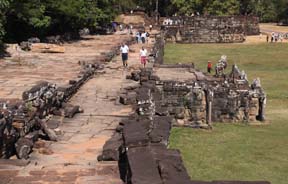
{"x": 124, "y": 53}
{"x": 143, "y": 56}
{"x": 150, "y": 27}
{"x": 143, "y": 37}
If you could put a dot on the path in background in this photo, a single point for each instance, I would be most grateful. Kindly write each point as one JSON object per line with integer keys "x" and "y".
{"x": 270, "y": 27}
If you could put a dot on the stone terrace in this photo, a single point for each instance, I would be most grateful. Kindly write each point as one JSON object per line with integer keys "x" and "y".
{"x": 73, "y": 159}
{"x": 24, "y": 69}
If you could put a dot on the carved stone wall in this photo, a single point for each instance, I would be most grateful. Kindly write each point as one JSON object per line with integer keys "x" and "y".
{"x": 210, "y": 29}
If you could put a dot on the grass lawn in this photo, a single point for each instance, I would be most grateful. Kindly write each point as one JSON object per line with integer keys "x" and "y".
{"x": 238, "y": 151}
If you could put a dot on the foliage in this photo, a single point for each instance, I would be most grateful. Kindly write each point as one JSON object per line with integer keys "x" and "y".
{"x": 267, "y": 10}
{"x": 125, "y": 5}
{"x": 29, "y": 18}
{"x": 238, "y": 151}
{"x": 3, "y": 5}
{"x": 282, "y": 5}
{"x": 40, "y": 18}
{"x": 223, "y": 7}
{"x": 190, "y": 6}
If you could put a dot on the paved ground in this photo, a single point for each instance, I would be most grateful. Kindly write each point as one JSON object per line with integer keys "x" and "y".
{"x": 24, "y": 69}
{"x": 179, "y": 74}
{"x": 73, "y": 159}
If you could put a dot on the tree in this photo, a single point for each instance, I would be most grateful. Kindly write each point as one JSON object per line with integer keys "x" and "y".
{"x": 49, "y": 17}
{"x": 187, "y": 7}
{"x": 3, "y": 5}
{"x": 123, "y": 6}
{"x": 223, "y": 7}
{"x": 282, "y": 9}
{"x": 26, "y": 18}
{"x": 29, "y": 18}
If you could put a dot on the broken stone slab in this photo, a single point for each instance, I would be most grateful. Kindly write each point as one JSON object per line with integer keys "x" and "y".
{"x": 143, "y": 167}
{"x": 47, "y": 48}
{"x": 174, "y": 65}
{"x": 143, "y": 95}
{"x": 14, "y": 162}
{"x": 53, "y": 123}
{"x": 170, "y": 164}
{"x": 23, "y": 148}
{"x": 200, "y": 76}
{"x": 112, "y": 148}
{"x": 135, "y": 133}
{"x": 161, "y": 130}
{"x": 128, "y": 99}
{"x": 71, "y": 110}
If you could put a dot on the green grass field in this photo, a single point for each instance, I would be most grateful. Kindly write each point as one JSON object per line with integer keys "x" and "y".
{"x": 238, "y": 151}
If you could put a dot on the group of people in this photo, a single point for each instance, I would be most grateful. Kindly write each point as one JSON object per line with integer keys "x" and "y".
{"x": 275, "y": 37}
{"x": 121, "y": 27}
{"x": 220, "y": 66}
{"x": 124, "y": 49}
{"x": 142, "y": 37}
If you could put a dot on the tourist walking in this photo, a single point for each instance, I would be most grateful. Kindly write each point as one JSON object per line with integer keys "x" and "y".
{"x": 124, "y": 53}
{"x": 143, "y": 37}
{"x": 147, "y": 37}
{"x": 139, "y": 37}
{"x": 272, "y": 37}
{"x": 114, "y": 26}
{"x": 281, "y": 37}
{"x": 143, "y": 56}
{"x": 209, "y": 67}
{"x": 130, "y": 30}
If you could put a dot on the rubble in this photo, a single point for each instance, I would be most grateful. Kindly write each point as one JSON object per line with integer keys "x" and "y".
{"x": 195, "y": 100}
{"x": 112, "y": 149}
{"x": 23, "y": 121}
{"x": 47, "y": 48}
{"x": 160, "y": 105}
{"x": 42, "y": 47}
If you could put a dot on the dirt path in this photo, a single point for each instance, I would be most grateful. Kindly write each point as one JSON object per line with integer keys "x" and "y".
{"x": 270, "y": 27}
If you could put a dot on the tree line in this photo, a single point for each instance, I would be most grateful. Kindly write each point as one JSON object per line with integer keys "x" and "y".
{"x": 21, "y": 19}
{"x": 267, "y": 10}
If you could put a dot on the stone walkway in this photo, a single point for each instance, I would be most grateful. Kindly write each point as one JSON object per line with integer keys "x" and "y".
{"x": 73, "y": 159}
{"x": 21, "y": 71}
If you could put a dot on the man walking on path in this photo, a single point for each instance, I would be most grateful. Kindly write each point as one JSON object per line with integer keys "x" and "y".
{"x": 143, "y": 56}
{"x": 143, "y": 37}
{"x": 124, "y": 53}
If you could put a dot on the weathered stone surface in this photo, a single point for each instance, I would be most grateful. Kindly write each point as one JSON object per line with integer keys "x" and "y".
{"x": 211, "y": 29}
{"x": 160, "y": 132}
{"x": 112, "y": 148}
{"x": 135, "y": 133}
{"x": 143, "y": 166}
